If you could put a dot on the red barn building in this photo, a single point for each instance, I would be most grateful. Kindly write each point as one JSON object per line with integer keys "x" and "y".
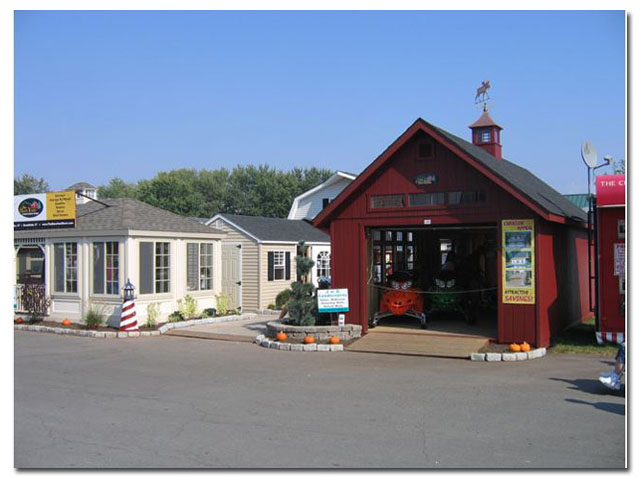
{"x": 610, "y": 202}
{"x": 431, "y": 193}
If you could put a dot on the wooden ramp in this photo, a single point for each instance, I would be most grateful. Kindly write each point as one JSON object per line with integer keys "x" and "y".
{"x": 422, "y": 343}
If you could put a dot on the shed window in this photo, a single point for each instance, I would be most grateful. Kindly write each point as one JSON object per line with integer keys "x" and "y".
{"x": 323, "y": 261}
{"x": 466, "y": 197}
{"x": 392, "y": 252}
{"x": 106, "y": 265}
{"x": 387, "y": 201}
{"x": 485, "y": 136}
{"x": 199, "y": 266}
{"x": 426, "y": 199}
{"x": 66, "y": 267}
{"x": 155, "y": 270}
{"x": 425, "y": 151}
{"x": 279, "y": 265}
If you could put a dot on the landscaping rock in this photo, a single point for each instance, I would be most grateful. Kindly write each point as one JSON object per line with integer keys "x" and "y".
{"x": 155, "y": 333}
{"x": 284, "y": 346}
{"x": 310, "y": 347}
{"x": 494, "y": 357}
{"x": 509, "y": 357}
{"x": 478, "y": 357}
{"x": 324, "y": 348}
{"x": 259, "y": 338}
{"x": 134, "y": 334}
{"x": 297, "y": 347}
{"x": 110, "y": 335}
{"x": 123, "y": 335}
{"x": 521, "y": 356}
{"x": 336, "y": 347}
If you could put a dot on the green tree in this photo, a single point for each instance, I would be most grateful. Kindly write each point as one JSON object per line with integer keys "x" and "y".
{"x": 27, "y": 184}
{"x": 302, "y": 304}
{"x": 118, "y": 188}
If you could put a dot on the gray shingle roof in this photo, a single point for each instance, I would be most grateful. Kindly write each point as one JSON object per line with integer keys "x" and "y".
{"x": 132, "y": 214}
{"x": 527, "y": 183}
{"x": 268, "y": 229}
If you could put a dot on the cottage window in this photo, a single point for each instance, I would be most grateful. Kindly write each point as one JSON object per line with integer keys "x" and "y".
{"x": 485, "y": 136}
{"x": 199, "y": 266}
{"x": 106, "y": 265}
{"x": 155, "y": 269}
{"x": 279, "y": 265}
{"x": 66, "y": 267}
{"x": 323, "y": 261}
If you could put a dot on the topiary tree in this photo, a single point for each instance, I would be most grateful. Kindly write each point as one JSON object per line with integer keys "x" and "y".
{"x": 302, "y": 304}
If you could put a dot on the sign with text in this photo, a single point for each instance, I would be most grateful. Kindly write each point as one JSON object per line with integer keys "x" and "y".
{"x": 54, "y": 210}
{"x": 333, "y": 300}
{"x": 518, "y": 262}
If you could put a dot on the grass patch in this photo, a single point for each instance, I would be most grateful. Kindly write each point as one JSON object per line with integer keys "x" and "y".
{"x": 581, "y": 339}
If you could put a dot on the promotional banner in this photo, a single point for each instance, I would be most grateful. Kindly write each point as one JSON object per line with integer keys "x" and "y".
{"x": 518, "y": 262}
{"x": 54, "y": 210}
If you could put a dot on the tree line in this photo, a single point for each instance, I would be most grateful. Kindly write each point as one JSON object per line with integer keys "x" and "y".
{"x": 250, "y": 190}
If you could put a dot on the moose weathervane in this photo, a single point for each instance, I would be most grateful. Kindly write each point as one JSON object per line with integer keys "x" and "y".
{"x": 482, "y": 94}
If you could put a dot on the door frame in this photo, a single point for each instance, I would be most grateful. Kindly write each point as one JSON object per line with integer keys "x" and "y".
{"x": 240, "y": 247}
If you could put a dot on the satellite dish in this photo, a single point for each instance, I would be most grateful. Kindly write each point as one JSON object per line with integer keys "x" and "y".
{"x": 589, "y": 154}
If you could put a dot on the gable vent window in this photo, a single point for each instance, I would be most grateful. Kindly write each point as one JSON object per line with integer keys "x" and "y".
{"x": 388, "y": 200}
{"x": 425, "y": 151}
{"x": 467, "y": 197}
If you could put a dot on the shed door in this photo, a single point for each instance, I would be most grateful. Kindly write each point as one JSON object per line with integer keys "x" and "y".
{"x": 232, "y": 273}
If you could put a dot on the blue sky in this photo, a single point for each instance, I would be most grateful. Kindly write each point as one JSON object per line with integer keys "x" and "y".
{"x": 128, "y": 94}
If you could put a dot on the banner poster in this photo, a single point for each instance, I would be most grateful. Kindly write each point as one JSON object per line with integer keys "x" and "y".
{"x": 52, "y": 210}
{"x": 518, "y": 262}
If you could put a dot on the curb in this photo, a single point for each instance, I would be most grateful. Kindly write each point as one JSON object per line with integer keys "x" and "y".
{"x": 509, "y": 356}
{"x": 102, "y": 334}
{"x": 273, "y": 344}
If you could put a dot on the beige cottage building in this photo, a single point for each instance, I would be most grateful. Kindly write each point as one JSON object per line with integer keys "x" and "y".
{"x": 258, "y": 256}
{"x": 165, "y": 256}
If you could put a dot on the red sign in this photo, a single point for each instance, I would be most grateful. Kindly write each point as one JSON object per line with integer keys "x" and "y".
{"x": 610, "y": 190}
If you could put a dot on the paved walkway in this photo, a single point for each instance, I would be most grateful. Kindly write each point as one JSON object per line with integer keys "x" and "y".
{"x": 235, "y": 331}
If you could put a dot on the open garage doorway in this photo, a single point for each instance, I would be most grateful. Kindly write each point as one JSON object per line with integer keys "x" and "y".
{"x": 433, "y": 279}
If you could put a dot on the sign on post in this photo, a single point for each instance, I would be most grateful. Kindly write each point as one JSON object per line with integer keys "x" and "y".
{"x": 54, "y": 210}
{"x": 333, "y": 300}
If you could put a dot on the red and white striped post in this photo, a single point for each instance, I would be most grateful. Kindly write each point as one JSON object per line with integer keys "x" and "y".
{"x": 128, "y": 321}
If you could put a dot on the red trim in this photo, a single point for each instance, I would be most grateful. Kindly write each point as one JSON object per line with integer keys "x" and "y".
{"x": 421, "y": 125}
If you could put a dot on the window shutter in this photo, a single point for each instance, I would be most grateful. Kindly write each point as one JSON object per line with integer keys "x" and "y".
{"x": 146, "y": 267}
{"x": 270, "y": 266}
{"x": 192, "y": 266}
{"x": 98, "y": 268}
{"x": 287, "y": 265}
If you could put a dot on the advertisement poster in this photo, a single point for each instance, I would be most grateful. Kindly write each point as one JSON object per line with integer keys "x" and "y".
{"x": 518, "y": 262}
{"x": 52, "y": 210}
{"x": 333, "y": 300}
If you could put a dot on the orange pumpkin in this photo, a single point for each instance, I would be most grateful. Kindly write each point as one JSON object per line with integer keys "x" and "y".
{"x": 281, "y": 336}
{"x": 19, "y": 320}
{"x": 525, "y": 347}
{"x": 66, "y": 322}
{"x": 515, "y": 348}
{"x": 333, "y": 340}
{"x": 309, "y": 339}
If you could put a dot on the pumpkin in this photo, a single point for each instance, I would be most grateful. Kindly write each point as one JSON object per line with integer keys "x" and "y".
{"x": 66, "y": 322}
{"x": 309, "y": 339}
{"x": 333, "y": 340}
{"x": 19, "y": 320}
{"x": 281, "y": 336}
{"x": 515, "y": 348}
{"x": 525, "y": 347}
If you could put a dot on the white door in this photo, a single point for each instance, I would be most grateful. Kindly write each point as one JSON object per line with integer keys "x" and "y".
{"x": 232, "y": 273}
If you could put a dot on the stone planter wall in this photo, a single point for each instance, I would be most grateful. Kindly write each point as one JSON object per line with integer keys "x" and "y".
{"x": 320, "y": 332}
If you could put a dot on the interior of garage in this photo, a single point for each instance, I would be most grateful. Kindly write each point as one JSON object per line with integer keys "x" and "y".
{"x": 454, "y": 269}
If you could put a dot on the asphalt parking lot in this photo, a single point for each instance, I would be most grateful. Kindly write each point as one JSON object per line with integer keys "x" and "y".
{"x": 174, "y": 402}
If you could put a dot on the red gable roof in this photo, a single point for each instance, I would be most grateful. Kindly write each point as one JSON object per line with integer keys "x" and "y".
{"x": 323, "y": 218}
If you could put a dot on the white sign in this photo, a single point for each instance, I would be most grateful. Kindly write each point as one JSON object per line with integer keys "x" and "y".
{"x": 333, "y": 300}
{"x": 340, "y": 320}
{"x": 427, "y": 221}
